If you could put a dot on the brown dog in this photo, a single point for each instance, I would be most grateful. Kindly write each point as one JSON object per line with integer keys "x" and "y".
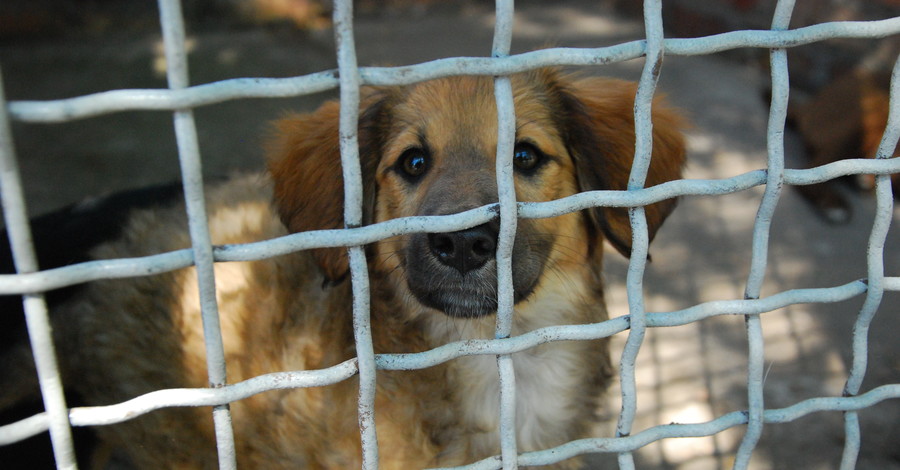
{"x": 845, "y": 119}
{"x": 426, "y": 149}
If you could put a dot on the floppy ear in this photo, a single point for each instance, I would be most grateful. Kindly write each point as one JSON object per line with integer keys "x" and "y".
{"x": 304, "y": 161}
{"x": 600, "y": 137}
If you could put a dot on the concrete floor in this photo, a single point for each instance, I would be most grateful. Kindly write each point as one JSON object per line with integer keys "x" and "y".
{"x": 691, "y": 373}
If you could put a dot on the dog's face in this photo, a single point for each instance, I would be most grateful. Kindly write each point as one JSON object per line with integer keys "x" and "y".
{"x": 438, "y": 158}
{"x": 430, "y": 149}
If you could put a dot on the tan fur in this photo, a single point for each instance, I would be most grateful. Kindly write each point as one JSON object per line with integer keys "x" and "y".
{"x": 129, "y": 337}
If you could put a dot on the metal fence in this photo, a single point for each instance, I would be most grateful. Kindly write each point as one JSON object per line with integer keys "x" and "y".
{"x": 181, "y": 98}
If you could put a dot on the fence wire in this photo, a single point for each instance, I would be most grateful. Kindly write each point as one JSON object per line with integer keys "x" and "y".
{"x": 181, "y": 98}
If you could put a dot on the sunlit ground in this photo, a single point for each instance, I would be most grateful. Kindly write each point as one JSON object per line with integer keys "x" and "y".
{"x": 697, "y": 372}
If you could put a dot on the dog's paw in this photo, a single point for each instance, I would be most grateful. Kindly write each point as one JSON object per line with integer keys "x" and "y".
{"x": 827, "y": 202}
{"x": 836, "y": 215}
{"x": 833, "y": 209}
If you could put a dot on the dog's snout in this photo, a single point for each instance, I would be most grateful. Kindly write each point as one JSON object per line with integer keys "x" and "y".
{"x": 465, "y": 250}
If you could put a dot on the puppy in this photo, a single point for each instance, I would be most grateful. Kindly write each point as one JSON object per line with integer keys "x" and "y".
{"x": 425, "y": 149}
{"x": 845, "y": 119}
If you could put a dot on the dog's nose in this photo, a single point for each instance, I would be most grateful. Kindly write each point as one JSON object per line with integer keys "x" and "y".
{"x": 465, "y": 250}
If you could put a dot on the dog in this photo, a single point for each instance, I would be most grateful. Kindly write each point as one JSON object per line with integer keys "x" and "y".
{"x": 845, "y": 119}
{"x": 425, "y": 149}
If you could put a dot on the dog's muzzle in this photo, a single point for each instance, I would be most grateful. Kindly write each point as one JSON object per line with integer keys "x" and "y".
{"x": 466, "y": 250}
{"x": 456, "y": 272}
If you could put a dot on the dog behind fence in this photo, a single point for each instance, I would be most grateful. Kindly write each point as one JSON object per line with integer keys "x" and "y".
{"x": 180, "y": 98}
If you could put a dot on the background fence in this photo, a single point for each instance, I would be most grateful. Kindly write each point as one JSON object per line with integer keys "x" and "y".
{"x": 181, "y": 98}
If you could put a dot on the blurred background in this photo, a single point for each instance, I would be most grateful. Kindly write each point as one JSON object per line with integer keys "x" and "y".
{"x": 51, "y": 49}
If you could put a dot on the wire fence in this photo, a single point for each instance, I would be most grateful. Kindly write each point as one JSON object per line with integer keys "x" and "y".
{"x": 181, "y": 98}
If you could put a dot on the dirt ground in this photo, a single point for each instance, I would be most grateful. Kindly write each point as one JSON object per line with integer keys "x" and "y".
{"x": 691, "y": 373}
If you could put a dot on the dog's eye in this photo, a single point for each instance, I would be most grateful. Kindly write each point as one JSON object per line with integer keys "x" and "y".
{"x": 526, "y": 157}
{"x": 413, "y": 162}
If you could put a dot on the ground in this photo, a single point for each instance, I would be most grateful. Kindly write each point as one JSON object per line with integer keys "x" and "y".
{"x": 691, "y": 373}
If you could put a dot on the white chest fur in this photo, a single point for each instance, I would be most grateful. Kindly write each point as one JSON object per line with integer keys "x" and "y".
{"x": 544, "y": 386}
{"x": 548, "y": 380}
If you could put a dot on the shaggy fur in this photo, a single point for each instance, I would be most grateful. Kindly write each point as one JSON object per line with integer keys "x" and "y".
{"x": 426, "y": 149}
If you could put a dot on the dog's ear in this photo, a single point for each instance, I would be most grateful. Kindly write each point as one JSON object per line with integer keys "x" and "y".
{"x": 304, "y": 161}
{"x": 599, "y": 133}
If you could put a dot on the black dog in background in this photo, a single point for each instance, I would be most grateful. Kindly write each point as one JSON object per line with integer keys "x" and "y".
{"x": 61, "y": 238}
